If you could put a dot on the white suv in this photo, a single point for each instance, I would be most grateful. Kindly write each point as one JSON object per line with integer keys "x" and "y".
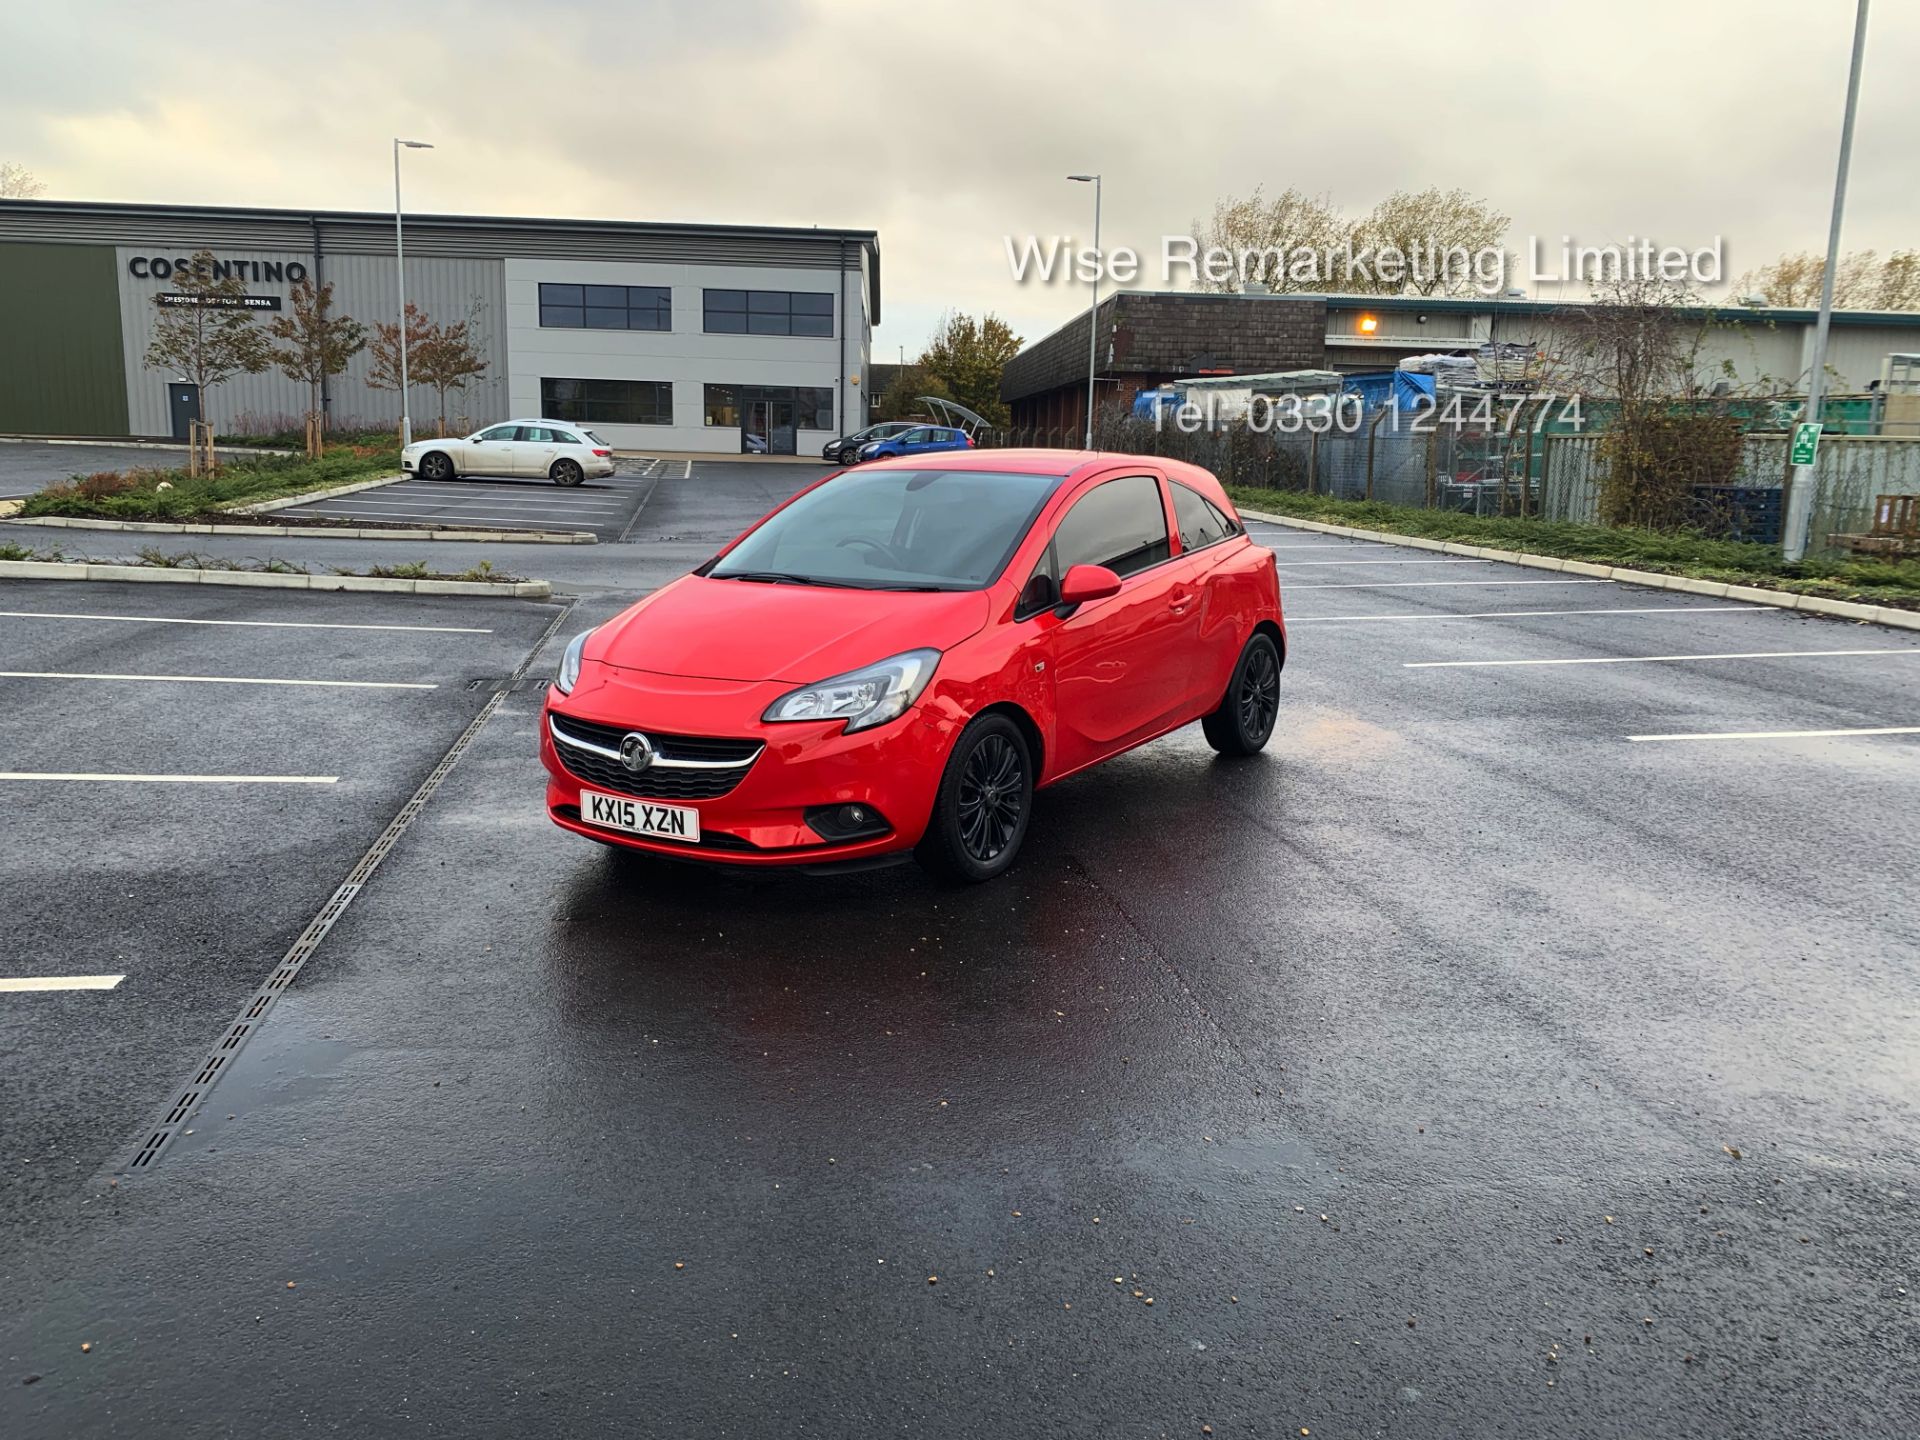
{"x": 555, "y": 450}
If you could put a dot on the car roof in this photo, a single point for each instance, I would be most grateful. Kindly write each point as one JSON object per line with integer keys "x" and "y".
{"x": 1067, "y": 464}
{"x": 539, "y": 420}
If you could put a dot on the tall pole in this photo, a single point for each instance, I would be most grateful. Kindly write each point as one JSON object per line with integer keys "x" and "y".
{"x": 1800, "y": 491}
{"x": 1093, "y": 315}
{"x": 400, "y": 266}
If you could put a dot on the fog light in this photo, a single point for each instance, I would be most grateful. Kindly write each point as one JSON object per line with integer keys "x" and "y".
{"x": 847, "y": 822}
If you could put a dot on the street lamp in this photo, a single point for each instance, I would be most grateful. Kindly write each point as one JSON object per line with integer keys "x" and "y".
{"x": 1795, "y": 523}
{"x": 1093, "y": 315}
{"x": 400, "y": 264}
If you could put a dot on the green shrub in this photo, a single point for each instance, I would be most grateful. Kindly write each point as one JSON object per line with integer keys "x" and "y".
{"x": 1879, "y": 582}
{"x": 175, "y": 495}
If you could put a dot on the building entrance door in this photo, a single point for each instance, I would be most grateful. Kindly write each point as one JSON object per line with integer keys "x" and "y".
{"x": 770, "y": 428}
{"x": 183, "y": 405}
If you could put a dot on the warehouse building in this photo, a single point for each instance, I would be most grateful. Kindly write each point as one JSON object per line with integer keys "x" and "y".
{"x": 715, "y": 338}
{"x": 1149, "y": 338}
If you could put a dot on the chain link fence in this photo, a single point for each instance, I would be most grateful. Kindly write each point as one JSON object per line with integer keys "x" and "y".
{"x": 1509, "y": 470}
{"x": 1849, "y": 472}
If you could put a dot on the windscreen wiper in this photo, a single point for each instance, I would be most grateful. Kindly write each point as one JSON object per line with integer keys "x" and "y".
{"x": 769, "y": 577}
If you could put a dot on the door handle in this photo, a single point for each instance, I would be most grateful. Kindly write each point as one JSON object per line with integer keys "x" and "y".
{"x": 1180, "y": 601}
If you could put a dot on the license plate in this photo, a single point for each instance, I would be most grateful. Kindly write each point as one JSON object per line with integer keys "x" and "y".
{"x": 640, "y": 817}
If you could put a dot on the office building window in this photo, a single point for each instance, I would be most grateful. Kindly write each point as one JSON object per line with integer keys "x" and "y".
{"x": 608, "y": 402}
{"x": 808, "y": 407}
{"x": 768, "y": 312}
{"x": 606, "y": 307}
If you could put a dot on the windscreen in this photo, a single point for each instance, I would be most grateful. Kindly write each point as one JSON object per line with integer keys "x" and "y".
{"x": 894, "y": 530}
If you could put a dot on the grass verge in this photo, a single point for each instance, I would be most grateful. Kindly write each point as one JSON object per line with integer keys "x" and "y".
{"x": 174, "y": 495}
{"x": 1868, "y": 582}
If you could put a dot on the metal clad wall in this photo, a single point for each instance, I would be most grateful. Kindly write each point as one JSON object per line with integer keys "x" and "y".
{"x": 363, "y": 287}
{"x": 452, "y": 262}
{"x": 362, "y": 234}
{"x": 60, "y": 365}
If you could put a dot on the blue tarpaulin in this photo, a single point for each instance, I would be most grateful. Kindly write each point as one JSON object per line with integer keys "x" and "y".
{"x": 1380, "y": 387}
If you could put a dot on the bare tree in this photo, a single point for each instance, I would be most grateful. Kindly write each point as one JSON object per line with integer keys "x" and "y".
{"x": 1439, "y": 233}
{"x": 1863, "y": 282}
{"x": 1643, "y": 347}
{"x": 1284, "y": 240}
{"x": 383, "y": 350}
{"x": 18, "y": 183}
{"x": 314, "y": 342}
{"x": 204, "y": 331}
{"x": 448, "y": 359}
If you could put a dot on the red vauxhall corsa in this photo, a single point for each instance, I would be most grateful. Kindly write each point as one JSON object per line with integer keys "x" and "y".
{"x": 893, "y": 661}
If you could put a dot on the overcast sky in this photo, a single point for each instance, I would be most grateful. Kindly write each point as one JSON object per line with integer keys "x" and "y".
{"x": 947, "y": 127}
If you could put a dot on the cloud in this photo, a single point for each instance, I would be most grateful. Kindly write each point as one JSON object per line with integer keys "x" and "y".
{"x": 947, "y": 126}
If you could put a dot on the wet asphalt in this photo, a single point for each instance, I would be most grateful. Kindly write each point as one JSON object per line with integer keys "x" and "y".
{"x": 27, "y": 466}
{"x": 1402, "y": 1069}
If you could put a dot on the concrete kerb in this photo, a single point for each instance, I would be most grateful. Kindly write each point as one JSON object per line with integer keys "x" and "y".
{"x": 310, "y": 497}
{"x": 270, "y": 580}
{"x": 313, "y": 532}
{"x": 1747, "y": 594}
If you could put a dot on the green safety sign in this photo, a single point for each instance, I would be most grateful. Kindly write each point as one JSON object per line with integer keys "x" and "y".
{"x": 1806, "y": 441}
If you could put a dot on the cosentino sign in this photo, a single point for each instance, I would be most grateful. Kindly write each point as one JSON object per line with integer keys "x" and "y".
{"x": 162, "y": 267}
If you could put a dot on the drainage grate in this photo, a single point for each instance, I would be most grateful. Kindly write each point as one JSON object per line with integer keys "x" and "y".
{"x": 297, "y": 955}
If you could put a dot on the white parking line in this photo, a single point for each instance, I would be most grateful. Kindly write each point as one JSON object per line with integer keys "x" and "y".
{"x": 260, "y": 624}
{"x": 1293, "y": 620}
{"x": 550, "y": 491}
{"x": 60, "y": 982}
{"x": 349, "y": 507}
{"x": 449, "y": 519}
{"x": 90, "y": 776}
{"x": 1432, "y": 584}
{"x": 1651, "y": 659}
{"x": 1310, "y": 564}
{"x": 1782, "y": 734}
{"x": 218, "y": 680}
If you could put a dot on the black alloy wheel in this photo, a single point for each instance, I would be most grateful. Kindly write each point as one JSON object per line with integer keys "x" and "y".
{"x": 984, "y": 803}
{"x": 992, "y": 801}
{"x": 567, "y": 472}
{"x": 435, "y": 466}
{"x": 1244, "y": 721}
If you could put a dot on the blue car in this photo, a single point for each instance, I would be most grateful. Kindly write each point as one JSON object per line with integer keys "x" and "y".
{"x": 921, "y": 440}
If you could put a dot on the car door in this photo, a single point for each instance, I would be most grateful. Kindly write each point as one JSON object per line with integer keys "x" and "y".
{"x": 1204, "y": 530}
{"x": 491, "y": 452}
{"x": 1120, "y": 667}
{"x": 534, "y": 452}
{"x": 915, "y": 440}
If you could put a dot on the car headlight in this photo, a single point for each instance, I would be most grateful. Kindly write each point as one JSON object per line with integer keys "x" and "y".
{"x": 871, "y": 695}
{"x": 568, "y": 675}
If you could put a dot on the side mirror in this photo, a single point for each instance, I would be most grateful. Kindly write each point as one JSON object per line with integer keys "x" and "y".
{"x": 1088, "y": 582}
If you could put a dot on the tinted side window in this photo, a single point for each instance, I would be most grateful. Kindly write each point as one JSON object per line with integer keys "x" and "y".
{"x": 1120, "y": 525}
{"x": 500, "y": 432}
{"x": 1200, "y": 522}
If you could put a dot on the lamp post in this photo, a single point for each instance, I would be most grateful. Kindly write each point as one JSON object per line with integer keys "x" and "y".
{"x": 400, "y": 265}
{"x": 1093, "y": 315}
{"x": 1795, "y": 524}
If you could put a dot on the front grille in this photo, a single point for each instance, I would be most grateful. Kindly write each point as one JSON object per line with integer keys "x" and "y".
{"x": 664, "y": 780}
{"x": 667, "y": 747}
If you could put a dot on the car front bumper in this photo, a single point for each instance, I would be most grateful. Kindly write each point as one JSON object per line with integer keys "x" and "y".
{"x": 894, "y": 769}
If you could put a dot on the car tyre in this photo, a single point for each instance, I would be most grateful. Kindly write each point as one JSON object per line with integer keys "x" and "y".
{"x": 985, "y": 800}
{"x": 435, "y": 466}
{"x": 1244, "y": 719}
{"x": 566, "y": 472}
